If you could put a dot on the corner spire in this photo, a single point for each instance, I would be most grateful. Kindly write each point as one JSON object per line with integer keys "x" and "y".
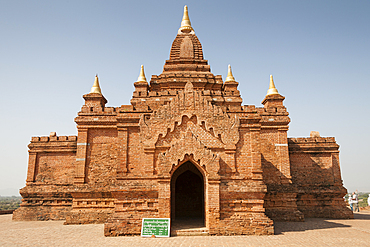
{"x": 230, "y": 76}
{"x": 272, "y": 89}
{"x": 96, "y": 88}
{"x": 141, "y": 77}
{"x": 185, "y": 23}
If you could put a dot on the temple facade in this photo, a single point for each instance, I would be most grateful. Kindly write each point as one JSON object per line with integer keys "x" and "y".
{"x": 185, "y": 148}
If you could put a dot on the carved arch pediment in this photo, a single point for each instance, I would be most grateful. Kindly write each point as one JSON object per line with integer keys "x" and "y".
{"x": 189, "y": 145}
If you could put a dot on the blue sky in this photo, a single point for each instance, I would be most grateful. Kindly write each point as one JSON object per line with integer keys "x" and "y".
{"x": 318, "y": 52}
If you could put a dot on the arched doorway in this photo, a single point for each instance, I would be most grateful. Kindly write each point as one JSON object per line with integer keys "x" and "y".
{"x": 187, "y": 194}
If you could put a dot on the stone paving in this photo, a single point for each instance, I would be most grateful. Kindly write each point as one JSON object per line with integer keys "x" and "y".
{"x": 312, "y": 232}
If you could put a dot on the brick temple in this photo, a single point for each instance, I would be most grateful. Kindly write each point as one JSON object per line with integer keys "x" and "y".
{"x": 185, "y": 148}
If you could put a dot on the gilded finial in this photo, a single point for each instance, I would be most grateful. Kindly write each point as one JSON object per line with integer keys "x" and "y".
{"x": 272, "y": 88}
{"x": 96, "y": 88}
{"x": 141, "y": 77}
{"x": 230, "y": 76}
{"x": 185, "y": 23}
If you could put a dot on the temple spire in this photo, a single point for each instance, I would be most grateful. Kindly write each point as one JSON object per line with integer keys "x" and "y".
{"x": 272, "y": 89}
{"x": 185, "y": 23}
{"x": 96, "y": 88}
{"x": 230, "y": 76}
{"x": 141, "y": 77}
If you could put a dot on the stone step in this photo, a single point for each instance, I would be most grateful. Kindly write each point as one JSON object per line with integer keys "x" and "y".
{"x": 190, "y": 232}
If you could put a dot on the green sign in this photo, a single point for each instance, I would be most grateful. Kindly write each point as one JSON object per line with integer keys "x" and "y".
{"x": 159, "y": 227}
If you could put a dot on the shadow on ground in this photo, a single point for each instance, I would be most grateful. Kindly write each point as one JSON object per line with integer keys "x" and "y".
{"x": 362, "y": 216}
{"x": 308, "y": 224}
{"x": 316, "y": 223}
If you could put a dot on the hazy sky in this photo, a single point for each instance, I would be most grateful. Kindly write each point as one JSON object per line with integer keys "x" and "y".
{"x": 317, "y": 51}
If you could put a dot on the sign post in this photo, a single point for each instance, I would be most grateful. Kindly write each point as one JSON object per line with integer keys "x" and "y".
{"x": 159, "y": 227}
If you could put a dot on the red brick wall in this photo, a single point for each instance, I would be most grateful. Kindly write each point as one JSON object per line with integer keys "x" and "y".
{"x": 102, "y": 153}
{"x": 270, "y": 158}
{"x": 312, "y": 169}
{"x": 55, "y": 168}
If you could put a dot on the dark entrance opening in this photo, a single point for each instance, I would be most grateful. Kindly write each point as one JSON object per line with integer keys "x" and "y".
{"x": 188, "y": 195}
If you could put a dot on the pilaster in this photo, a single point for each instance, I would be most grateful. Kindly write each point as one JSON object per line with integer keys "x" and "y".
{"x": 164, "y": 198}
{"x": 149, "y": 161}
{"x": 123, "y": 148}
{"x": 256, "y": 153}
{"x": 212, "y": 206}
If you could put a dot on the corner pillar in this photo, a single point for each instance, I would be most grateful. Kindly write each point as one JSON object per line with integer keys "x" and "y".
{"x": 32, "y": 163}
{"x": 81, "y": 156}
{"x": 283, "y": 152}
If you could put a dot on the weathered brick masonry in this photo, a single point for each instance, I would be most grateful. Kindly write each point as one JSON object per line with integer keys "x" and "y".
{"x": 185, "y": 147}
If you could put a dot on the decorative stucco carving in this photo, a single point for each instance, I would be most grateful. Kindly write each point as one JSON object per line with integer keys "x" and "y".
{"x": 189, "y": 103}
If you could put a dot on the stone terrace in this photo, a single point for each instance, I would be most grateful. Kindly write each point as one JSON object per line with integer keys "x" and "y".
{"x": 312, "y": 232}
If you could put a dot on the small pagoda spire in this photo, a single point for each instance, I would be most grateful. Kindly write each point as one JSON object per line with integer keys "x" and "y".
{"x": 185, "y": 23}
{"x": 230, "y": 76}
{"x": 96, "y": 88}
{"x": 141, "y": 77}
{"x": 272, "y": 89}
